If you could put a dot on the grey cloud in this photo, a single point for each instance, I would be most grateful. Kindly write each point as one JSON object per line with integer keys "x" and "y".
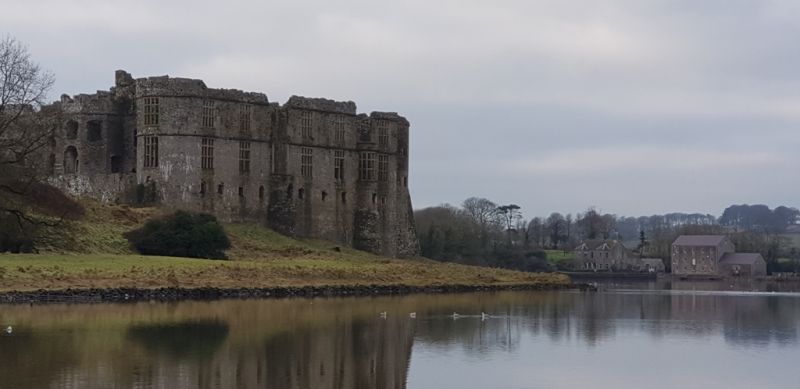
{"x": 695, "y": 104}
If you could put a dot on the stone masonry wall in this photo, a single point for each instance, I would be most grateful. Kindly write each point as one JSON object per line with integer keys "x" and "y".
{"x": 296, "y": 167}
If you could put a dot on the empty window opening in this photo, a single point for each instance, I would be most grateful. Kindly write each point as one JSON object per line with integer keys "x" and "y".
{"x": 151, "y": 111}
{"x": 244, "y": 157}
{"x": 307, "y": 161}
{"x": 366, "y": 166}
{"x": 244, "y": 117}
{"x": 150, "y": 151}
{"x": 301, "y": 193}
{"x": 306, "y": 124}
{"x": 207, "y": 153}
{"x": 338, "y": 164}
{"x": 116, "y": 164}
{"x": 344, "y": 197}
{"x": 338, "y": 128}
{"x": 221, "y": 189}
{"x": 405, "y": 182}
{"x": 208, "y": 113}
{"x": 383, "y": 133}
{"x": 94, "y": 130}
{"x": 383, "y": 199}
{"x": 71, "y": 160}
{"x": 324, "y": 195}
{"x": 374, "y": 198}
{"x": 241, "y": 191}
{"x": 383, "y": 168}
{"x": 261, "y": 192}
{"x": 289, "y": 191}
{"x": 202, "y": 187}
{"x": 72, "y": 130}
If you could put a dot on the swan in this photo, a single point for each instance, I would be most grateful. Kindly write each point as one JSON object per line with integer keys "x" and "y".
{"x": 455, "y": 315}
{"x": 484, "y": 316}
{"x": 383, "y": 314}
{"x": 413, "y": 315}
{"x": 8, "y": 329}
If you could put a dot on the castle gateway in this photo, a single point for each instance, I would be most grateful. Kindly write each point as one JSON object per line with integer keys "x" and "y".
{"x": 312, "y": 168}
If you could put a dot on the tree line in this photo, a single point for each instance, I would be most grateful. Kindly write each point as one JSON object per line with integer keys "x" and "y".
{"x": 482, "y": 232}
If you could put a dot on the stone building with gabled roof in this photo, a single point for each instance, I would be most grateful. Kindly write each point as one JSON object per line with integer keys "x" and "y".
{"x": 604, "y": 254}
{"x": 712, "y": 255}
{"x": 742, "y": 264}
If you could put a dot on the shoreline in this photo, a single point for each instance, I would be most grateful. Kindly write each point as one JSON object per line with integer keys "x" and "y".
{"x": 176, "y": 294}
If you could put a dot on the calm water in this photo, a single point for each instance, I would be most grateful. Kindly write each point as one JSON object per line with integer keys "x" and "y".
{"x": 626, "y": 336}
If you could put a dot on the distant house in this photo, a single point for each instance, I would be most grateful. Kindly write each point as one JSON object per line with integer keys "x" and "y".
{"x": 604, "y": 254}
{"x": 742, "y": 264}
{"x": 651, "y": 265}
{"x": 699, "y": 254}
{"x": 713, "y": 255}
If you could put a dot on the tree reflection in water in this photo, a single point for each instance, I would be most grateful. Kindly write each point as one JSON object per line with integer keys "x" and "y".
{"x": 344, "y": 343}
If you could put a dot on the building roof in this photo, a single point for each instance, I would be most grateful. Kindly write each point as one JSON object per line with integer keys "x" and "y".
{"x": 699, "y": 240}
{"x": 740, "y": 258}
{"x": 598, "y": 244}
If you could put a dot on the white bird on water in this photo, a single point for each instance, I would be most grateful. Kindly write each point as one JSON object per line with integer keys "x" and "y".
{"x": 383, "y": 314}
{"x": 8, "y": 329}
{"x": 455, "y": 315}
{"x": 413, "y": 315}
{"x": 484, "y": 316}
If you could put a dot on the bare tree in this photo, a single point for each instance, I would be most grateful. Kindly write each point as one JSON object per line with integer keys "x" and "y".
{"x": 510, "y": 214}
{"x": 484, "y": 215}
{"x": 556, "y": 224}
{"x": 590, "y": 223}
{"x": 26, "y": 129}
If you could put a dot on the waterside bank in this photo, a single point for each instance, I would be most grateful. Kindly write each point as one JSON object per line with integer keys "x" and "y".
{"x": 119, "y": 295}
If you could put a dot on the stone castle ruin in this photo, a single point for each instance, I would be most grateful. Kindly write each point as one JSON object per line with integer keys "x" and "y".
{"x": 312, "y": 168}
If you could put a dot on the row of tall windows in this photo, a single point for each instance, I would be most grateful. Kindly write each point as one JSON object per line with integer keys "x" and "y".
{"x": 371, "y": 166}
{"x": 339, "y": 128}
{"x": 151, "y": 113}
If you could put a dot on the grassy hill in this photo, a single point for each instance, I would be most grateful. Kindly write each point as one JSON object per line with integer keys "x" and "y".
{"x": 91, "y": 253}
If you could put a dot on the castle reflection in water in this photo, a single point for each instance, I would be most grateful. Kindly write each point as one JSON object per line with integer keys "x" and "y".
{"x": 343, "y": 342}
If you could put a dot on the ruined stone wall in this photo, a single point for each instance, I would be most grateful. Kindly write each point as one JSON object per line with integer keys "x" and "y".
{"x": 273, "y": 187}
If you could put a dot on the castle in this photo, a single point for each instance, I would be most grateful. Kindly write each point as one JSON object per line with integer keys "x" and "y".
{"x": 312, "y": 168}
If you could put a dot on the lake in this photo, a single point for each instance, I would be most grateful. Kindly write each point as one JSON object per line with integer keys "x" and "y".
{"x": 628, "y": 335}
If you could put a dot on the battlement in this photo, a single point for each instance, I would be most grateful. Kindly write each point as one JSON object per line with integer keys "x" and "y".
{"x": 186, "y": 87}
{"x": 99, "y": 102}
{"x": 390, "y": 116}
{"x": 324, "y": 105}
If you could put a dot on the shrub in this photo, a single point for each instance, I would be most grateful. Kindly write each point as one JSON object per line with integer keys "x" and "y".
{"x": 182, "y": 234}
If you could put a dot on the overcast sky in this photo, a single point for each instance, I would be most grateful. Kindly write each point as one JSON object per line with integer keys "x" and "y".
{"x": 635, "y": 107}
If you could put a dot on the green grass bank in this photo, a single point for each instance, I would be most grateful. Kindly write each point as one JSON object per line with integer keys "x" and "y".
{"x": 91, "y": 253}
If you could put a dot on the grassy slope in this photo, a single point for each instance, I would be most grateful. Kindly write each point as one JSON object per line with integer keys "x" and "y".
{"x": 92, "y": 253}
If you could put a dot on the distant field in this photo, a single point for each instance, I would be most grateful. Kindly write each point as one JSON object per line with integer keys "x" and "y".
{"x": 554, "y": 256}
